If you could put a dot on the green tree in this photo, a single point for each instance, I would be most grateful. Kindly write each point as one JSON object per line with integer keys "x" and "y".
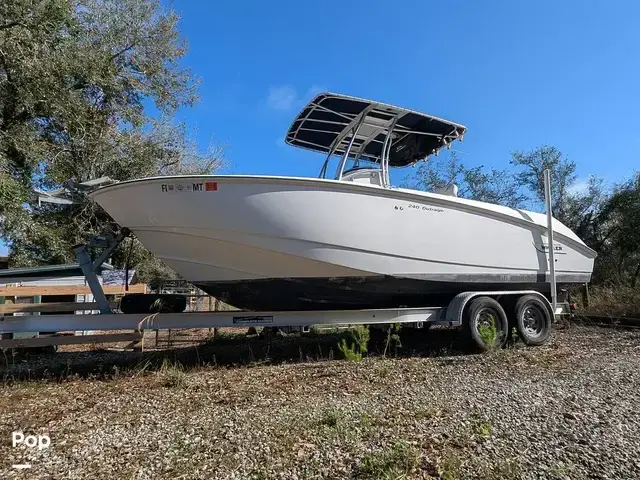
{"x": 78, "y": 79}
{"x": 531, "y": 176}
{"x": 477, "y": 183}
{"x": 619, "y": 247}
{"x": 582, "y": 212}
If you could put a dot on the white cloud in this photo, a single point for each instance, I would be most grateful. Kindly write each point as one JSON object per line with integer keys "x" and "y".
{"x": 581, "y": 186}
{"x": 286, "y": 98}
{"x": 313, "y": 91}
{"x": 282, "y": 98}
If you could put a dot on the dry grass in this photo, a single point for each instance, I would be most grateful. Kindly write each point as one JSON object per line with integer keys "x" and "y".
{"x": 619, "y": 301}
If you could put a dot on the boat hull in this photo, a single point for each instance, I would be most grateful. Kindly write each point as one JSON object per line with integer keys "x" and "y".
{"x": 269, "y": 243}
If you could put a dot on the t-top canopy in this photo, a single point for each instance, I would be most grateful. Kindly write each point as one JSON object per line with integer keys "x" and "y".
{"x": 327, "y": 124}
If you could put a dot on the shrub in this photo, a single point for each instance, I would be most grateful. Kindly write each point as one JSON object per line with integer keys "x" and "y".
{"x": 358, "y": 345}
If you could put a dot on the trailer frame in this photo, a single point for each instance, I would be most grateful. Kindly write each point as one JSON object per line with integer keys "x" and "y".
{"x": 451, "y": 315}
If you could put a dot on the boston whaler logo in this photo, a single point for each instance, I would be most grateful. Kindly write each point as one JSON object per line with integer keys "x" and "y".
{"x": 544, "y": 248}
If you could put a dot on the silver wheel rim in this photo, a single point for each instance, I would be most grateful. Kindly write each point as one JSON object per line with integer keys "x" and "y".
{"x": 533, "y": 321}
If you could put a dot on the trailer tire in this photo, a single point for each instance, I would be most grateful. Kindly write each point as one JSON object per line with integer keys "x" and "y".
{"x": 485, "y": 324}
{"x": 533, "y": 320}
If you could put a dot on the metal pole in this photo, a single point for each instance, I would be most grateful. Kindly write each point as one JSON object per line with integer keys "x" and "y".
{"x": 345, "y": 157}
{"x": 104, "y": 256}
{"x": 86, "y": 264}
{"x": 552, "y": 262}
{"x": 384, "y": 155}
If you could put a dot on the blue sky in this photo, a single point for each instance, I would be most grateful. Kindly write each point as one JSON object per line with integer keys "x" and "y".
{"x": 518, "y": 74}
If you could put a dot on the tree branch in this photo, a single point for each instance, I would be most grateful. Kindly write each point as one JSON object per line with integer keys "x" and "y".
{"x": 124, "y": 50}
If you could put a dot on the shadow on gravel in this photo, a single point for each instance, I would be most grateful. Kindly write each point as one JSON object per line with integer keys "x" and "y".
{"x": 227, "y": 350}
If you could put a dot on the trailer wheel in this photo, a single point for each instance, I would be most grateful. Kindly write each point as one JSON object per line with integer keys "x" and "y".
{"x": 486, "y": 323}
{"x": 533, "y": 320}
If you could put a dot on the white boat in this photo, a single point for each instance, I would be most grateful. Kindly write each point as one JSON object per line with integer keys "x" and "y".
{"x": 353, "y": 241}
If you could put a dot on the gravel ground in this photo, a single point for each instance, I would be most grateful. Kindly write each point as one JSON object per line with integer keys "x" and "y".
{"x": 567, "y": 410}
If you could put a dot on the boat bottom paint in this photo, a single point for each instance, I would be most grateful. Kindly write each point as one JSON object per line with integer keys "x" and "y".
{"x": 342, "y": 293}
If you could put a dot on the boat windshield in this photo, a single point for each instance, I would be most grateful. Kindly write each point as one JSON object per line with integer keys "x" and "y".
{"x": 333, "y": 162}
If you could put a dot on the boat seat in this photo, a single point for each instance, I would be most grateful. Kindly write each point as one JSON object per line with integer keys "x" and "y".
{"x": 372, "y": 176}
{"x": 451, "y": 190}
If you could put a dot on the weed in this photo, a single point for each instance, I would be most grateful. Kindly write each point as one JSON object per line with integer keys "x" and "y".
{"x": 619, "y": 301}
{"x": 393, "y": 338}
{"x": 562, "y": 469}
{"x": 366, "y": 420}
{"x": 449, "y": 467}
{"x": 258, "y": 475}
{"x": 140, "y": 368}
{"x": 384, "y": 371}
{"x": 429, "y": 412}
{"x": 398, "y": 462}
{"x": 482, "y": 428}
{"x": 509, "y": 469}
{"x": 314, "y": 331}
{"x": 488, "y": 333}
{"x": 349, "y": 352}
{"x": 361, "y": 335}
{"x": 224, "y": 338}
{"x": 359, "y": 344}
{"x": 173, "y": 374}
{"x": 331, "y": 417}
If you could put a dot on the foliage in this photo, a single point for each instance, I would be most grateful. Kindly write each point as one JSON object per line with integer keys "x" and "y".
{"x": 77, "y": 81}
{"x": 488, "y": 333}
{"x": 331, "y": 417}
{"x": 494, "y": 186}
{"x": 579, "y": 210}
{"x": 450, "y": 466}
{"x": 400, "y": 461}
{"x": 349, "y": 352}
{"x": 173, "y": 374}
{"x": 531, "y": 176}
{"x": 358, "y": 345}
{"x": 619, "y": 231}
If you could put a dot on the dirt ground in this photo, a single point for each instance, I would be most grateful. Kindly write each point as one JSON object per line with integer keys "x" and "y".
{"x": 240, "y": 407}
